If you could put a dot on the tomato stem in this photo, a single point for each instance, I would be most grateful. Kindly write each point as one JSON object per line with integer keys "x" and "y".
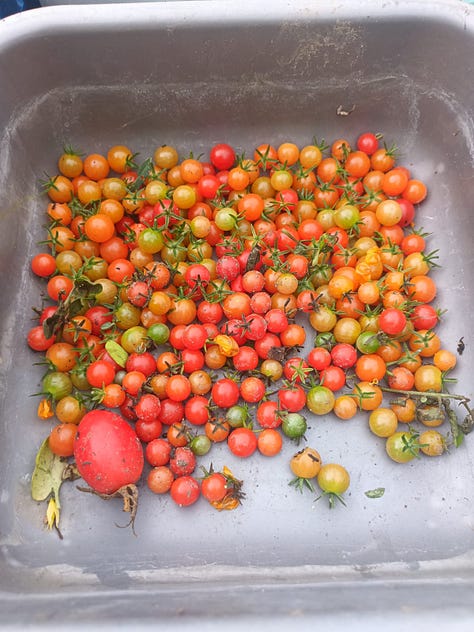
{"x": 464, "y": 427}
{"x": 461, "y": 398}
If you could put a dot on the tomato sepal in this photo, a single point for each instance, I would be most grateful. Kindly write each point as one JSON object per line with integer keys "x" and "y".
{"x": 129, "y": 494}
{"x": 300, "y": 483}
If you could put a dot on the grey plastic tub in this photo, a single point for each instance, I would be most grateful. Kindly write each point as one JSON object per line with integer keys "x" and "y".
{"x": 192, "y": 74}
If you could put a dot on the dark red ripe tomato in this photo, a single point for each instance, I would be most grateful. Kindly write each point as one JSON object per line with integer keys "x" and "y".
{"x": 424, "y": 317}
{"x": 234, "y": 328}
{"x": 196, "y": 410}
{"x": 192, "y": 359}
{"x": 107, "y": 451}
{"x": 367, "y": 143}
{"x": 148, "y": 407}
{"x": 236, "y": 284}
{"x": 214, "y": 487}
{"x": 47, "y": 312}
{"x": 43, "y": 264}
{"x": 319, "y": 358}
{"x": 288, "y": 199}
{"x": 267, "y": 415}
{"x": 296, "y": 369}
{"x": 265, "y": 344}
{"x": 37, "y": 340}
{"x": 333, "y": 378}
{"x": 392, "y": 321}
{"x": 158, "y": 452}
{"x": 225, "y": 393}
{"x": 344, "y": 355}
{"x": 148, "y": 429}
{"x": 197, "y": 274}
{"x": 138, "y": 293}
{"x": 172, "y": 412}
{"x": 208, "y": 186}
{"x": 127, "y": 409}
{"x": 123, "y": 225}
{"x": 185, "y": 491}
{"x": 337, "y": 237}
{"x": 98, "y": 315}
{"x": 277, "y": 321}
{"x": 209, "y": 312}
{"x": 287, "y": 238}
{"x": 222, "y": 156}
{"x": 183, "y": 461}
{"x": 100, "y": 373}
{"x": 252, "y": 389}
{"x": 246, "y": 359}
{"x": 147, "y": 215}
{"x": 227, "y": 246}
{"x": 255, "y": 327}
{"x": 163, "y": 212}
{"x": 176, "y": 336}
{"x": 292, "y": 398}
{"x": 408, "y": 212}
{"x": 242, "y": 442}
{"x": 194, "y": 336}
{"x": 228, "y": 268}
{"x": 143, "y": 362}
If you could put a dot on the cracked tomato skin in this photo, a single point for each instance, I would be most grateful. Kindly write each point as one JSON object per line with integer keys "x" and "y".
{"x": 107, "y": 451}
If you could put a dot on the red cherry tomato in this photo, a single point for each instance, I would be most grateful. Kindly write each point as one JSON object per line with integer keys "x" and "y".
{"x": 242, "y": 442}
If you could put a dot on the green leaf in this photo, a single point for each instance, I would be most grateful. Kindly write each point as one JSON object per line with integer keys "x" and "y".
{"x": 49, "y": 325}
{"x": 378, "y": 492}
{"x": 143, "y": 172}
{"x": 87, "y": 288}
{"x": 48, "y": 474}
{"x": 82, "y": 293}
{"x": 75, "y": 307}
{"x": 116, "y": 352}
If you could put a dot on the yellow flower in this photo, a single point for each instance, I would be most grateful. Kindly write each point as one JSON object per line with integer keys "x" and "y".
{"x": 52, "y": 514}
{"x": 228, "y": 503}
{"x": 228, "y": 473}
{"x": 227, "y": 345}
{"x": 44, "y": 409}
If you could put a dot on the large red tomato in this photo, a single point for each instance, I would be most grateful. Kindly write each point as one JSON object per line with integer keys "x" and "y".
{"x": 108, "y": 452}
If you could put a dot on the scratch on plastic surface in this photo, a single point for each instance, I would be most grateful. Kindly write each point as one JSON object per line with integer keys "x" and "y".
{"x": 321, "y": 48}
{"x": 463, "y": 118}
{"x": 137, "y": 119}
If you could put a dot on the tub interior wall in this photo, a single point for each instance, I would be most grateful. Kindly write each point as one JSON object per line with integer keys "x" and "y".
{"x": 245, "y": 86}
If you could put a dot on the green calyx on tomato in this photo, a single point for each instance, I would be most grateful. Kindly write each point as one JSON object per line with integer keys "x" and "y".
{"x": 403, "y": 447}
{"x": 325, "y": 339}
{"x": 333, "y": 480}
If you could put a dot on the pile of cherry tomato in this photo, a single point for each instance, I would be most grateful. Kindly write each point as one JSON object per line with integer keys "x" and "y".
{"x": 181, "y": 293}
